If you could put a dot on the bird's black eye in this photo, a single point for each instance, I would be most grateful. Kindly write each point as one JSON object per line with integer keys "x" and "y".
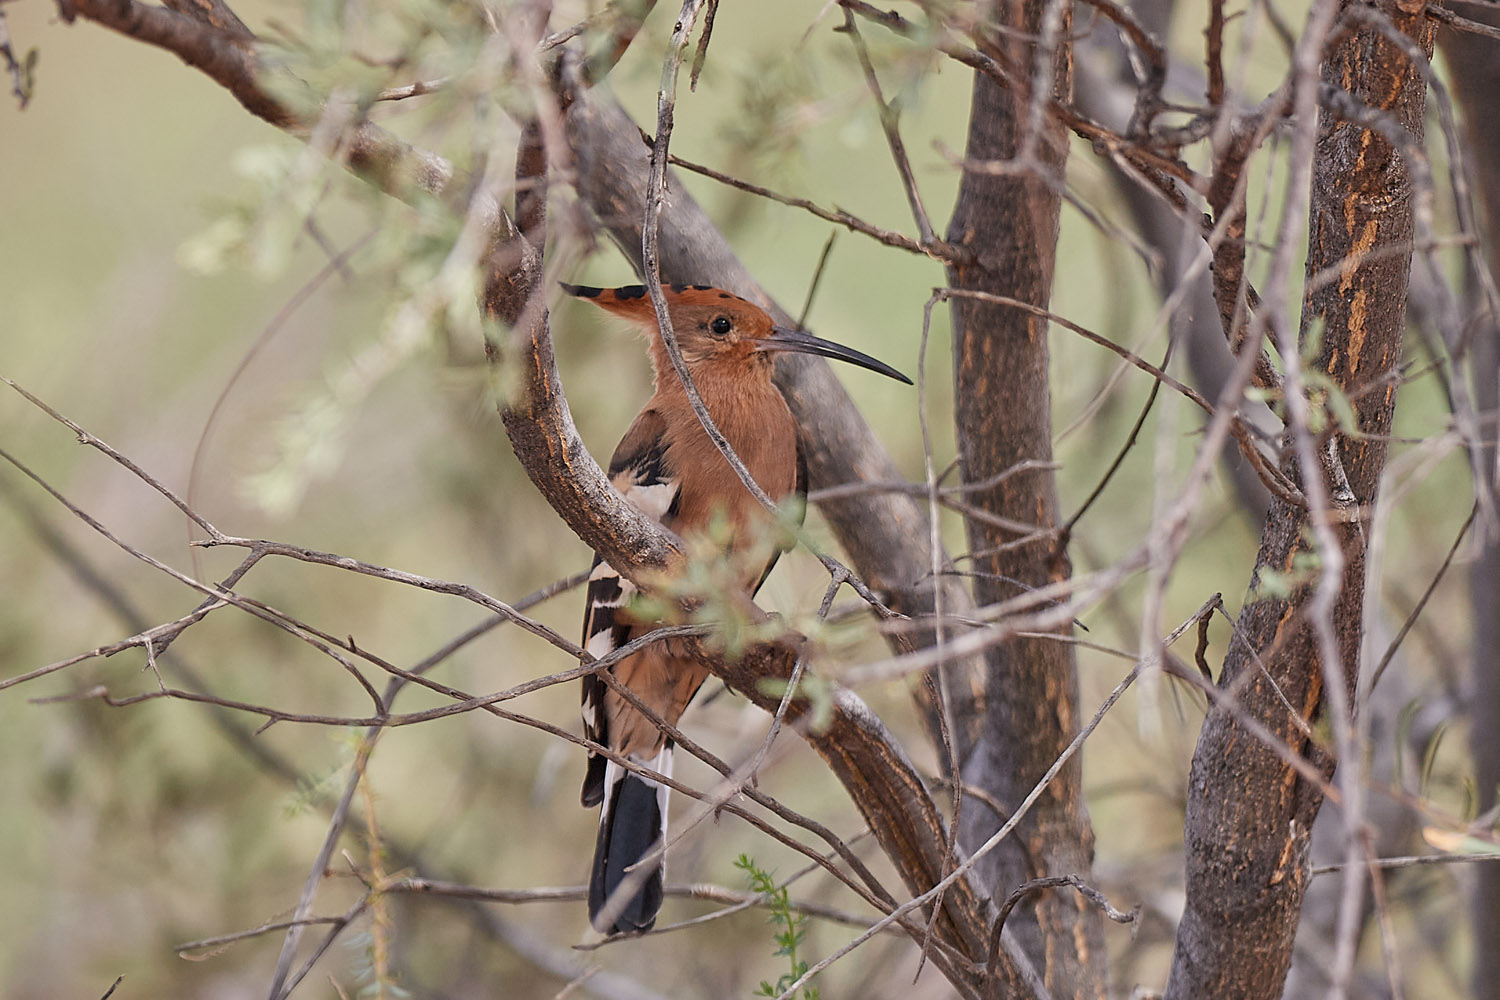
{"x": 721, "y": 325}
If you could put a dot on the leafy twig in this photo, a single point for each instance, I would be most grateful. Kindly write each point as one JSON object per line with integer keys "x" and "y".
{"x": 791, "y": 924}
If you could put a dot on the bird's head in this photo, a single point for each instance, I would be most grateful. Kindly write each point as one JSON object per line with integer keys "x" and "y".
{"x": 718, "y": 330}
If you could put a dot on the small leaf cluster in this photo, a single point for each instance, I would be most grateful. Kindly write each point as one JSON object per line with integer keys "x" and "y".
{"x": 791, "y": 927}
{"x": 719, "y": 561}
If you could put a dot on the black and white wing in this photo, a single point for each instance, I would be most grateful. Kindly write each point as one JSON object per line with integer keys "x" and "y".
{"x": 639, "y": 471}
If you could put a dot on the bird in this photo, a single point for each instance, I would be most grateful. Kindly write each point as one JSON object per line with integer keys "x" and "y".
{"x": 667, "y": 466}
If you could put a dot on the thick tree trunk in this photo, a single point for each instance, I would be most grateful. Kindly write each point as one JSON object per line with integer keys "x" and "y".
{"x": 1476, "y": 81}
{"x": 1025, "y": 705}
{"x": 1249, "y": 814}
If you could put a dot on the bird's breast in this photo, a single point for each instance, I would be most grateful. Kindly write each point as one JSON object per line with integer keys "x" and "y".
{"x": 760, "y": 429}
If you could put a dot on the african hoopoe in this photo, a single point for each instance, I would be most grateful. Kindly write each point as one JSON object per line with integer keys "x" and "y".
{"x": 668, "y": 467}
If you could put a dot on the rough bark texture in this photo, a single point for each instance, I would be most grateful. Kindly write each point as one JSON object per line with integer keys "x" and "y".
{"x": 1249, "y": 814}
{"x": 885, "y": 534}
{"x": 1476, "y": 81}
{"x": 1023, "y": 707}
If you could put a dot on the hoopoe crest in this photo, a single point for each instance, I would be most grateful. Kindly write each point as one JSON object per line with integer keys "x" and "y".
{"x": 667, "y": 466}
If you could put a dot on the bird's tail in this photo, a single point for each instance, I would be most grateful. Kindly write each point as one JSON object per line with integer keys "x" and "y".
{"x": 631, "y": 823}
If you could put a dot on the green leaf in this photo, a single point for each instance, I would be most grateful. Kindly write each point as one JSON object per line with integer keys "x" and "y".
{"x": 1312, "y": 340}
{"x": 1272, "y": 584}
{"x": 792, "y": 922}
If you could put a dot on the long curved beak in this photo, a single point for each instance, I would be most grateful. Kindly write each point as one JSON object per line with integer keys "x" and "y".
{"x": 801, "y": 342}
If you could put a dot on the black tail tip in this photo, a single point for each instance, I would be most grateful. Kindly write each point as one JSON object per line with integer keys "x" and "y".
{"x": 633, "y": 916}
{"x": 639, "y": 915}
{"x": 631, "y": 829}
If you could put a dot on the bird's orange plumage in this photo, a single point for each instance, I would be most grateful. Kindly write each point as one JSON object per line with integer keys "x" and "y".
{"x": 669, "y": 467}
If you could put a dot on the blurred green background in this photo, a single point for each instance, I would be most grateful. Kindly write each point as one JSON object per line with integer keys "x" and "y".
{"x": 126, "y": 832}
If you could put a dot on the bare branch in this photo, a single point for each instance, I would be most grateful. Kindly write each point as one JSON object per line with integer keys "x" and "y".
{"x": 889, "y": 124}
{"x": 934, "y": 248}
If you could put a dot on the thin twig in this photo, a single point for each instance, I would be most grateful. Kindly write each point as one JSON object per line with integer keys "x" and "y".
{"x": 1416, "y": 612}
{"x": 1066, "y": 532}
{"x": 890, "y": 125}
{"x": 844, "y": 490}
{"x": 702, "y": 53}
{"x": 300, "y": 553}
{"x": 315, "y": 874}
{"x": 333, "y": 932}
{"x": 738, "y": 898}
{"x": 84, "y": 437}
{"x": 218, "y": 942}
{"x": 418, "y": 88}
{"x": 1056, "y": 882}
{"x": 936, "y": 249}
{"x": 817, "y": 278}
{"x": 284, "y": 622}
{"x": 1408, "y": 861}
